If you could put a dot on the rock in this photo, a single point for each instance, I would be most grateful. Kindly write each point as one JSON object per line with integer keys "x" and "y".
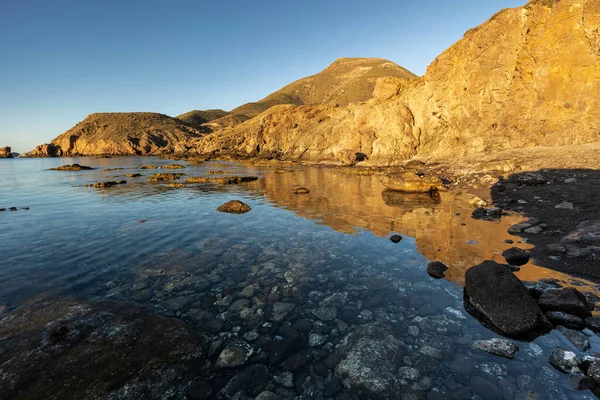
{"x": 224, "y": 180}
{"x": 498, "y": 347}
{"x": 568, "y": 320}
{"x": 396, "y": 238}
{"x": 325, "y": 314}
{"x": 239, "y": 305}
{"x": 369, "y": 369}
{"x": 516, "y": 256}
{"x": 436, "y": 269}
{"x": 587, "y": 233}
{"x": 301, "y": 190}
{"x": 568, "y": 300}
{"x": 593, "y": 323}
{"x": 411, "y": 182}
{"x": 409, "y": 374}
{"x": 565, "y": 361}
{"x": 102, "y": 185}
{"x": 72, "y": 167}
{"x": 248, "y": 292}
{"x": 200, "y": 391}
{"x": 285, "y": 379}
{"x": 294, "y": 363}
{"x": 337, "y": 299}
{"x": 501, "y": 297}
{"x": 332, "y": 360}
{"x": 281, "y": 310}
{"x": 565, "y": 205}
{"x": 252, "y": 380}
{"x": 172, "y": 166}
{"x": 591, "y": 366}
{"x": 303, "y": 326}
{"x": 266, "y": 395}
{"x": 534, "y": 230}
{"x": 234, "y": 207}
{"x": 165, "y": 176}
{"x": 316, "y": 339}
{"x": 5, "y": 152}
{"x": 236, "y": 353}
{"x": 282, "y": 349}
{"x": 578, "y": 339}
{"x": 251, "y": 335}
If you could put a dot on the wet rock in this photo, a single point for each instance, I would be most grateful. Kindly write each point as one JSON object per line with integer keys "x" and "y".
{"x": 281, "y": 310}
{"x": 332, "y": 386}
{"x": 516, "y": 256}
{"x": 236, "y": 353}
{"x": 133, "y": 175}
{"x": 332, "y": 360}
{"x": 409, "y": 373}
{"x": 410, "y": 182}
{"x": 225, "y": 180}
{"x": 591, "y": 366}
{"x": 578, "y": 339}
{"x": 294, "y": 362}
{"x": 396, "y": 238}
{"x": 568, "y": 300}
{"x": 102, "y": 185}
{"x": 436, "y": 269}
{"x": 285, "y": 379}
{"x": 325, "y": 314}
{"x": 568, "y": 320}
{"x": 497, "y": 294}
{"x": 498, "y": 347}
{"x": 239, "y": 305}
{"x": 252, "y": 380}
{"x": 234, "y": 207}
{"x": 165, "y": 177}
{"x": 547, "y": 385}
{"x": 248, "y": 292}
{"x": 283, "y": 349}
{"x": 251, "y": 335}
{"x": 316, "y": 339}
{"x": 586, "y": 233}
{"x": 72, "y": 167}
{"x": 200, "y": 391}
{"x": 266, "y": 395}
{"x": 172, "y": 166}
{"x": 301, "y": 190}
{"x": 565, "y": 361}
{"x": 369, "y": 369}
{"x": 593, "y": 323}
{"x": 303, "y": 326}
{"x": 337, "y": 299}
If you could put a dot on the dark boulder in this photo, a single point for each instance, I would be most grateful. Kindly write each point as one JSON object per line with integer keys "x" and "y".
{"x": 282, "y": 349}
{"x": 516, "y": 256}
{"x": 396, "y": 238}
{"x": 494, "y": 292}
{"x": 251, "y": 380}
{"x": 568, "y": 300}
{"x": 564, "y": 319}
{"x": 436, "y": 269}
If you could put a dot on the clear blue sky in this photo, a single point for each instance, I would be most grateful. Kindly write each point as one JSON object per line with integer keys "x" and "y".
{"x": 63, "y": 59}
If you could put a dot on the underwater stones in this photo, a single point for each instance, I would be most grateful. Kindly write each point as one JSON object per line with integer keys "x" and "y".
{"x": 325, "y": 314}
{"x": 565, "y": 361}
{"x": 567, "y": 300}
{"x": 236, "y": 353}
{"x": 283, "y": 349}
{"x": 578, "y": 339}
{"x": 337, "y": 299}
{"x": 285, "y": 379}
{"x": 593, "y": 323}
{"x": 396, "y": 238}
{"x": 72, "y": 167}
{"x": 252, "y": 380}
{"x": 281, "y": 310}
{"x": 316, "y": 339}
{"x": 234, "y": 207}
{"x": 516, "y": 256}
{"x": 436, "y": 269}
{"x": 369, "y": 369}
{"x": 492, "y": 290}
{"x": 498, "y": 347}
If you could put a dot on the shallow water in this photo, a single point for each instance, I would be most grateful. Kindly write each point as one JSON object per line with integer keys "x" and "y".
{"x": 167, "y": 250}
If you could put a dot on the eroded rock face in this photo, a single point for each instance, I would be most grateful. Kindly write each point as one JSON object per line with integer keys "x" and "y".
{"x": 529, "y": 76}
{"x": 5, "y": 152}
{"x": 370, "y": 367}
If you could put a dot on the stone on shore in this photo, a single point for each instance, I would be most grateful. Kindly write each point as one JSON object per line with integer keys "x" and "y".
{"x": 411, "y": 182}
{"x": 492, "y": 290}
{"x": 437, "y": 269}
{"x": 234, "y": 207}
{"x": 516, "y": 256}
{"x": 568, "y": 300}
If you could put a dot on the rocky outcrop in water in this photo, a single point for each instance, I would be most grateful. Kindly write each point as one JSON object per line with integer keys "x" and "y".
{"x": 121, "y": 134}
{"x": 5, "y": 152}
{"x": 527, "y": 77}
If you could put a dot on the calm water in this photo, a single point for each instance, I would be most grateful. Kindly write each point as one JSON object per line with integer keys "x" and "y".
{"x": 169, "y": 252}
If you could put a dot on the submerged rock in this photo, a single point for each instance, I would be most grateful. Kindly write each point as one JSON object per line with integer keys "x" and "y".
{"x": 72, "y": 167}
{"x": 496, "y": 293}
{"x": 579, "y": 340}
{"x": 568, "y": 300}
{"x": 568, "y": 320}
{"x": 234, "y": 207}
{"x": 498, "y": 347}
{"x": 369, "y": 369}
{"x": 234, "y": 354}
{"x": 252, "y": 380}
{"x": 565, "y": 361}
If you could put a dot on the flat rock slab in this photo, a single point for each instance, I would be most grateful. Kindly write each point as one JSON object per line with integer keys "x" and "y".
{"x": 492, "y": 290}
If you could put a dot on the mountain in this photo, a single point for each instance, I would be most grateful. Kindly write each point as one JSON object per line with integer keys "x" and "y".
{"x": 135, "y": 133}
{"x": 210, "y": 120}
{"x": 529, "y": 76}
{"x": 347, "y": 80}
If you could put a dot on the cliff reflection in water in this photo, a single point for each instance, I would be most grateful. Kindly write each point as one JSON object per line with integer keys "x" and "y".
{"x": 442, "y": 226}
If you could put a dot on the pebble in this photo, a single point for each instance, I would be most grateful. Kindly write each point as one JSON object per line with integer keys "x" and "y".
{"x": 565, "y": 205}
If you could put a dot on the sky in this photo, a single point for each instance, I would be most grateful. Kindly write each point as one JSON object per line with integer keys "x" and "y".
{"x": 61, "y": 60}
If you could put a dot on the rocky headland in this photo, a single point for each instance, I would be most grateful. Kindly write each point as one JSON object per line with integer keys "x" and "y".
{"x": 5, "y": 152}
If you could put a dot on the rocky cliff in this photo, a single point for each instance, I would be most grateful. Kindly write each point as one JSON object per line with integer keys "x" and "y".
{"x": 347, "y": 80}
{"x": 5, "y": 152}
{"x": 121, "y": 134}
{"x": 530, "y": 76}
{"x": 211, "y": 120}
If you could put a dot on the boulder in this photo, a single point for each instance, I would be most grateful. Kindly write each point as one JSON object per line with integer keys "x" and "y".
{"x": 369, "y": 369}
{"x": 5, "y": 152}
{"x": 564, "y": 319}
{"x": 568, "y": 300}
{"x": 396, "y": 238}
{"x": 578, "y": 339}
{"x": 436, "y": 269}
{"x": 565, "y": 361}
{"x": 234, "y": 354}
{"x": 252, "y": 380}
{"x": 72, "y": 167}
{"x": 494, "y": 292}
{"x": 234, "y": 207}
{"x": 516, "y": 256}
{"x": 498, "y": 347}
{"x": 411, "y": 182}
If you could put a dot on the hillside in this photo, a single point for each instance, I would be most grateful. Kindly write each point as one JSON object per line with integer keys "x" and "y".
{"x": 347, "y": 80}
{"x": 136, "y": 133}
{"x": 529, "y": 76}
{"x": 210, "y": 120}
